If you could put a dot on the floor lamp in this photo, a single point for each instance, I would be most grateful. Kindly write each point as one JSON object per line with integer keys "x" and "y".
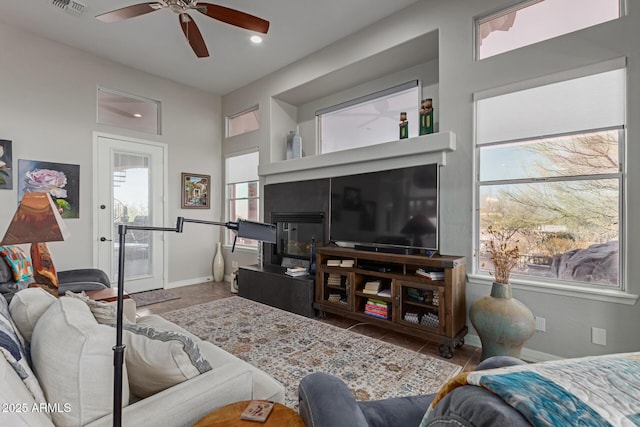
{"x": 247, "y": 229}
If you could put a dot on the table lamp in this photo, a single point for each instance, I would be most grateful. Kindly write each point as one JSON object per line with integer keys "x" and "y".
{"x": 248, "y": 229}
{"x": 38, "y": 221}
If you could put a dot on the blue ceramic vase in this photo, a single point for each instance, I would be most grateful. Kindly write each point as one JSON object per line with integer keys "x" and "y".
{"x": 503, "y": 323}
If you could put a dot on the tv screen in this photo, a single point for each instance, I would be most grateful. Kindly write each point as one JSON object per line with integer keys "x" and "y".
{"x": 391, "y": 208}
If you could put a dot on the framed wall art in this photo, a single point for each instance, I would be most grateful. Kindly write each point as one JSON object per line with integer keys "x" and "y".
{"x": 195, "y": 191}
{"x": 60, "y": 180}
{"x": 6, "y": 165}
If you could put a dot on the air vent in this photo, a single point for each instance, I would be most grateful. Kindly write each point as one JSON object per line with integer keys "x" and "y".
{"x": 62, "y": 4}
{"x": 69, "y": 6}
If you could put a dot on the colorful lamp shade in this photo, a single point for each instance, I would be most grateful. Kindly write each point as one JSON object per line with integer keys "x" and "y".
{"x": 36, "y": 220}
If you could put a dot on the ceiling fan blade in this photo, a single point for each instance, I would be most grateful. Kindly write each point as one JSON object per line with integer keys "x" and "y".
{"x": 235, "y": 17}
{"x": 127, "y": 12}
{"x": 193, "y": 35}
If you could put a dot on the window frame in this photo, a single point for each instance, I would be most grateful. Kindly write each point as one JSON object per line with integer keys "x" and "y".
{"x": 362, "y": 100}
{"x": 521, "y": 5}
{"x": 247, "y": 111}
{"x": 616, "y": 294}
{"x": 229, "y": 235}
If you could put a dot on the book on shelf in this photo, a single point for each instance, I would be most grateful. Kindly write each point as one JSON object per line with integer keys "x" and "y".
{"x": 372, "y": 287}
{"x": 334, "y": 280}
{"x": 257, "y": 410}
{"x": 430, "y": 275}
{"x": 347, "y": 263}
{"x": 296, "y": 271}
{"x": 377, "y": 308}
{"x": 333, "y": 262}
{"x": 334, "y": 297}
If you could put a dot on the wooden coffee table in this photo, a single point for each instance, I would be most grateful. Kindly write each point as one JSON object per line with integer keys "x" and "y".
{"x": 229, "y": 416}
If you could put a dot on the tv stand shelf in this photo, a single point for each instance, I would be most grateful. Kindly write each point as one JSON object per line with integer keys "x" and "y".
{"x": 411, "y": 304}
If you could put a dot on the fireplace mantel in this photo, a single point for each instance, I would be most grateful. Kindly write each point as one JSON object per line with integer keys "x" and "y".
{"x": 423, "y": 149}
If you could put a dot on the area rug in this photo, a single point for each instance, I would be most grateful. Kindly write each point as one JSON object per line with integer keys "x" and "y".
{"x": 153, "y": 297}
{"x": 289, "y": 347}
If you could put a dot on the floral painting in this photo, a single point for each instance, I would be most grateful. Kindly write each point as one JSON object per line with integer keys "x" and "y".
{"x": 195, "y": 190}
{"x": 6, "y": 171}
{"x": 60, "y": 180}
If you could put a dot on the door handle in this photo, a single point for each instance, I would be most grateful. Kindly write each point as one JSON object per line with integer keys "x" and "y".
{"x": 104, "y": 239}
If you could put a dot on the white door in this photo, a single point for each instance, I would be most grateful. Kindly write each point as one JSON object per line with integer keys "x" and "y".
{"x": 130, "y": 186}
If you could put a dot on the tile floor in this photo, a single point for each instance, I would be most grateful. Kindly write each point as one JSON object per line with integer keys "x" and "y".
{"x": 466, "y": 356}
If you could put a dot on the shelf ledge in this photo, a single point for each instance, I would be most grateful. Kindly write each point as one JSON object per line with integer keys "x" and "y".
{"x": 408, "y": 152}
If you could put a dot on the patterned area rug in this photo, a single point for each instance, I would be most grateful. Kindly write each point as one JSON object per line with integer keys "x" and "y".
{"x": 153, "y": 297}
{"x": 289, "y": 346}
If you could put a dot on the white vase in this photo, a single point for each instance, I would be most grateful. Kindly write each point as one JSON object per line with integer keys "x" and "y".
{"x": 218, "y": 265}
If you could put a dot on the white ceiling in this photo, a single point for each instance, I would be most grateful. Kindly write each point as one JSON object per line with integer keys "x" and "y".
{"x": 154, "y": 42}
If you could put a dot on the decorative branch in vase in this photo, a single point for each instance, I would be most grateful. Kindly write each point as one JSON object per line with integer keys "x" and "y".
{"x": 503, "y": 323}
{"x": 504, "y": 254}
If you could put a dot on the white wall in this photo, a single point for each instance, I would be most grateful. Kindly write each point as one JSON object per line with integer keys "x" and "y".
{"x": 569, "y": 317}
{"x": 48, "y": 110}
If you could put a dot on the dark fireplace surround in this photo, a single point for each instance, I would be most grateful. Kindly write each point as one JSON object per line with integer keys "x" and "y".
{"x": 300, "y": 212}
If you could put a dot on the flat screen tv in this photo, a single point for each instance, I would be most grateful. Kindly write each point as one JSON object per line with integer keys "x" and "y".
{"x": 387, "y": 210}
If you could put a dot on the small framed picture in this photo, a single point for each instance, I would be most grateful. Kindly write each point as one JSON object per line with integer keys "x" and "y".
{"x": 195, "y": 191}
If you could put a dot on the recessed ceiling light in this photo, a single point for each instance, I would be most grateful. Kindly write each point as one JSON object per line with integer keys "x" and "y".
{"x": 256, "y": 39}
{"x": 137, "y": 115}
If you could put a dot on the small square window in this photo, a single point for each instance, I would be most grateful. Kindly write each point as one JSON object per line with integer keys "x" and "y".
{"x": 244, "y": 122}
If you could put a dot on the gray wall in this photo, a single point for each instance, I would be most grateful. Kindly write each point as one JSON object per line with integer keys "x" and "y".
{"x": 569, "y": 314}
{"x": 48, "y": 110}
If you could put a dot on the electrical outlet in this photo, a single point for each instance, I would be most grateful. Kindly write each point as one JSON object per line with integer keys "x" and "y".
{"x": 541, "y": 324}
{"x": 599, "y": 336}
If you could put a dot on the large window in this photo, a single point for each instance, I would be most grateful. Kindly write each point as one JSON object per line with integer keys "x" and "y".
{"x": 243, "y": 198}
{"x": 369, "y": 120}
{"x": 533, "y": 21}
{"x": 550, "y": 175}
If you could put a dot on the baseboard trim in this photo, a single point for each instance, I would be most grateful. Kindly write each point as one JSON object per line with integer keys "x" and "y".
{"x": 528, "y": 354}
{"x": 189, "y": 282}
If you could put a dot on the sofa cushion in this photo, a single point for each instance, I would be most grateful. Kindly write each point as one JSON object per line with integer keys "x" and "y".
{"x": 27, "y": 306}
{"x": 73, "y": 358}
{"x": 17, "y": 401}
{"x": 158, "y": 359}
{"x": 12, "y": 347}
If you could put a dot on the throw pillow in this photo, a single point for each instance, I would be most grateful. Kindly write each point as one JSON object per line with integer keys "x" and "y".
{"x": 158, "y": 359}
{"x": 12, "y": 346}
{"x": 104, "y": 312}
{"x": 44, "y": 272}
{"x": 20, "y": 263}
{"x": 27, "y": 306}
{"x": 73, "y": 356}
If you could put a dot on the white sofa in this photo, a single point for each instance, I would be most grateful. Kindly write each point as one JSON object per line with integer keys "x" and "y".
{"x": 71, "y": 378}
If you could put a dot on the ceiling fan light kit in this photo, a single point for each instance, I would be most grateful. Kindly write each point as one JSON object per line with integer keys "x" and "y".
{"x": 188, "y": 25}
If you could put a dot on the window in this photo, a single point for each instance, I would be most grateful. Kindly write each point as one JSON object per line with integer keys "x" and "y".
{"x": 243, "y": 122}
{"x": 243, "y": 198}
{"x": 369, "y": 120}
{"x": 128, "y": 111}
{"x": 537, "y": 20}
{"x": 549, "y": 174}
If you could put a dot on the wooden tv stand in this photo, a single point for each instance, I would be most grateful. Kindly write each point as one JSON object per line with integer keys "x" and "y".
{"x": 434, "y": 310}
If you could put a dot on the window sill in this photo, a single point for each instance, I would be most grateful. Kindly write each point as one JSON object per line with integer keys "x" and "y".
{"x": 602, "y": 295}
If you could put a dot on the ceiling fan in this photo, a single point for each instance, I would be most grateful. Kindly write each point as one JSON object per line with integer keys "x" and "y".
{"x": 188, "y": 25}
